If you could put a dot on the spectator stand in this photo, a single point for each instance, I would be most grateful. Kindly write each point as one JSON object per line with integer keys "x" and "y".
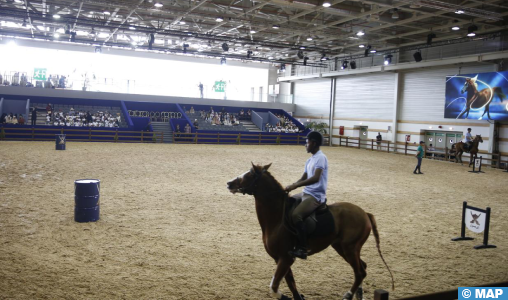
{"x": 157, "y": 112}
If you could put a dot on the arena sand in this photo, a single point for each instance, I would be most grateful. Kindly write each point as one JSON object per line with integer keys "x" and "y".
{"x": 169, "y": 228}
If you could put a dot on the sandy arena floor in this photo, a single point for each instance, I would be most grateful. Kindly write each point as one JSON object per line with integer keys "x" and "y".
{"x": 169, "y": 228}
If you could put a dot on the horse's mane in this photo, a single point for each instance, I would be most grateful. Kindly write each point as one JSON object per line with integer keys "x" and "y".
{"x": 259, "y": 168}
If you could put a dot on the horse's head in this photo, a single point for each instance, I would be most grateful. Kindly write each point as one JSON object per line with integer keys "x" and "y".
{"x": 478, "y": 137}
{"x": 246, "y": 183}
{"x": 470, "y": 83}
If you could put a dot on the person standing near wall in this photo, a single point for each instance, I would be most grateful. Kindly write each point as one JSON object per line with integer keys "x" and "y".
{"x": 201, "y": 89}
{"x": 379, "y": 138}
{"x": 419, "y": 155}
{"x": 34, "y": 116}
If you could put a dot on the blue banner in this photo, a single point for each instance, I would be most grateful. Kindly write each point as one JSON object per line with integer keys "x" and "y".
{"x": 468, "y": 293}
{"x": 478, "y": 96}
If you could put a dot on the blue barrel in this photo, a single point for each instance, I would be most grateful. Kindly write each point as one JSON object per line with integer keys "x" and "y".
{"x": 86, "y": 199}
{"x": 60, "y": 141}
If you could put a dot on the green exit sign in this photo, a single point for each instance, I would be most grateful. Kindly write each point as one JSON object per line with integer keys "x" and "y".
{"x": 219, "y": 86}
{"x": 40, "y": 74}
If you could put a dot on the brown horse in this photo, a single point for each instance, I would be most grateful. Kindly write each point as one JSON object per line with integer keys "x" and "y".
{"x": 478, "y": 99}
{"x": 459, "y": 149}
{"x": 351, "y": 229}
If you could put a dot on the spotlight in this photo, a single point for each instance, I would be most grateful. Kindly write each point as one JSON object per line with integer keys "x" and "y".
{"x": 56, "y": 35}
{"x": 150, "y": 41}
{"x": 360, "y": 33}
{"x": 430, "y": 36}
{"x": 185, "y": 46}
{"x": 309, "y": 39}
{"x": 305, "y": 60}
{"x": 98, "y": 50}
{"x": 373, "y": 51}
{"x": 471, "y": 30}
{"x": 249, "y": 53}
{"x": 181, "y": 22}
{"x": 300, "y": 54}
{"x": 222, "y": 61}
{"x": 388, "y": 59}
{"x": 252, "y": 31}
{"x": 225, "y": 47}
{"x": 361, "y": 46}
{"x": 344, "y": 65}
{"x": 219, "y": 19}
{"x": 352, "y": 65}
{"x": 275, "y": 26}
{"x": 158, "y": 4}
{"x": 327, "y": 3}
{"x": 132, "y": 28}
{"x": 367, "y": 50}
{"x": 57, "y": 16}
{"x": 455, "y": 28}
{"x": 459, "y": 11}
{"x": 302, "y": 47}
{"x": 418, "y": 56}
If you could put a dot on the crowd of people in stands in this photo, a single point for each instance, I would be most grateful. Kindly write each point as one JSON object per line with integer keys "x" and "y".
{"x": 81, "y": 118}
{"x": 284, "y": 125}
{"x": 222, "y": 117}
{"x": 12, "y": 119}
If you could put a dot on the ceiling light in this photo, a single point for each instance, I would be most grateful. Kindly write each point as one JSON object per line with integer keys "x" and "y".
{"x": 327, "y": 3}
{"x": 275, "y": 26}
{"x": 270, "y": 57}
{"x": 471, "y": 30}
{"x": 360, "y": 33}
{"x": 388, "y": 59}
{"x": 219, "y": 19}
{"x": 361, "y": 46}
{"x": 309, "y": 39}
{"x": 158, "y": 4}
{"x": 57, "y": 16}
{"x": 107, "y": 13}
{"x": 459, "y": 12}
{"x": 323, "y": 56}
{"x": 252, "y": 31}
{"x": 181, "y": 22}
{"x": 302, "y": 47}
{"x": 455, "y": 28}
{"x": 132, "y": 28}
{"x": 373, "y": 51}
{"x": 56, "y": 35}
{"x": 395, "y": 14}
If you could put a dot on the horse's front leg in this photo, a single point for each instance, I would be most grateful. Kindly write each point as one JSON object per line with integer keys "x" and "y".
{"x": 283, "y": 266}
{"x": 290, "y": 280}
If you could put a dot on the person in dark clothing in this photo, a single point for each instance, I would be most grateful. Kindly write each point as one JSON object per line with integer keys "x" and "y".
{"x": 34, "y": 116}
{"x": 2, "y": 118}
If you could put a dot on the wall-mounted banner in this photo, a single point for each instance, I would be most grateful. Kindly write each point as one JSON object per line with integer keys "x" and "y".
{"x": 219, "y": 86}
{"x": 40, "y": 73}
{"x": 477, "y": 96}
{"x": 475, "y": 220}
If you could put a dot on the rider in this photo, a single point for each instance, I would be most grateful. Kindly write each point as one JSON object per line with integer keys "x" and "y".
{"x": 468, "y": 140}
{"x": 315, "y": 179}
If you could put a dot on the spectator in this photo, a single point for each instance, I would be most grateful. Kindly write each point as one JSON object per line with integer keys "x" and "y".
{"x": 2, "y": 118}
{"x": 34, "y": 117}
{"x": 14, "y": 119}
{"x": 419, "y": 156}
{"x": 8, "y": 119}
{"x": 148, "y": 126}
{"x": 201, "y": 89}
{"x": 21, "y": 120}
{"x": 48, "y": 108}
{"x": 177, "y": 130}
{"x": 196, "y": 124}
{"x": 379, "y": 138}
{"x": 187, "y": 128}
{"x": 192, "y": 111}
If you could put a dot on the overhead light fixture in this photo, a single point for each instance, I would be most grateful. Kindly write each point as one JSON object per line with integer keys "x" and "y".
{"x": 373, "y": 50}
{"x": 219, "y": 19}
{"x": 300, "y": 54}
{"x": 275, "y": 26}
{"x": 323, "y": 56}
{"x": 455, "y": 28}
{"x": 252, "y": 31}
{"x": 459, "y": 11}
{"x": 56, "y": 35}
{"x": 430, "y": 36}
{"x": 249, "y": 53}
{"x": 367, "y": 50}
{"x": 418, "y": 56}
{"x": 132, "y": 28}
{"x": 158, "y": 4}
{"x": 181, "y": 22}
{"x": 309, "y": 39}
{"x": 360, "y": 33}
{"x": 270, "y": 57}
{"x": 222, "y": 61}
{"x": 302, "y": 47}
{"x": 388, "y": 59}
{"x": 352, "y": 65}
{"x": 305, "y": 59}
{"x": 362, "y": 46}
{"x": 344, "y": 65}
{"x": 106, "y": 13}
{"x": 225, "y": 47}
{"x": 327, "y": 3}
{"x": 56, "y": 16}
{"x": 471, "y": 30}
{"x": 395, "y": 14}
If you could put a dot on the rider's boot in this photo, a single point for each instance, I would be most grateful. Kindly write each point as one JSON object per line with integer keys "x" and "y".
{"x": 301, "y": 248}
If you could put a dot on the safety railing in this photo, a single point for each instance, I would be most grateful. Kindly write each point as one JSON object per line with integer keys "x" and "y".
{"x": 237, "y": 138}
{"x": 81, "y": 135}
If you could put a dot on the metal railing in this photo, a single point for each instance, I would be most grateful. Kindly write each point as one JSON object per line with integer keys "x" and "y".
{"x": 237, "y": 138}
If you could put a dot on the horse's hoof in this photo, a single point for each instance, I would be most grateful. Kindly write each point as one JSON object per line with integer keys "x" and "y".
{"x": 302, "y": 296}
{"x": 347, "y": 296}
{"x": 284, "y": 297}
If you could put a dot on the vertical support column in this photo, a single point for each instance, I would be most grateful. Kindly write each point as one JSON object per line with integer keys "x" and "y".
{"x": 396, "y": 100}
{"x": 332, "y": 110}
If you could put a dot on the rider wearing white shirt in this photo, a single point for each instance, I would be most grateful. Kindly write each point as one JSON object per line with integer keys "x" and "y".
{"x": 468, "y": 140}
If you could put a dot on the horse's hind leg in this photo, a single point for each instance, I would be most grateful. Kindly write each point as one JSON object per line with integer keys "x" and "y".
{"x": 352, "y": 256}
{"x": 290, "y": 280}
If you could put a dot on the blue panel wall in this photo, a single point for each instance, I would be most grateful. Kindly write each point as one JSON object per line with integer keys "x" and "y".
{"x": 14, "y": 106}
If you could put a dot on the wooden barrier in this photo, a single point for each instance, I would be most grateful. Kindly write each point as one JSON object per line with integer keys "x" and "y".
{"x": 236, "y": 138}
{"x": 444, "y": 295}
{"x": 496, "y": 160}
{"x": 80, "y": 135}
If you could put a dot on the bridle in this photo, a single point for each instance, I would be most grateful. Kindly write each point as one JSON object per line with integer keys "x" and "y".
{"x": 249, "y": 190}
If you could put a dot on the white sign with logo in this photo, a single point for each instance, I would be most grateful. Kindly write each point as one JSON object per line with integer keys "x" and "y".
{"x": 475, "y": 220}
{"x": 477, "y": 163}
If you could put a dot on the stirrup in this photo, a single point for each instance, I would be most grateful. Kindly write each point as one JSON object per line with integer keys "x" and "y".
{"x": 299, "y": 252}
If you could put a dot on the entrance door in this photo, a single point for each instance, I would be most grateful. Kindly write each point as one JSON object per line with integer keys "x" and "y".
{"x": 440, "y": 140}
{"x": 364, "y": 136}
{"x": 430, "y": 138}
{"x": 450, "y": 140}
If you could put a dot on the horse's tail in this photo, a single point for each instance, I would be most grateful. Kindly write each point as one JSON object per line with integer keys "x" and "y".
{"x": 376, "y": 235}
{"x": 499, "y": 92}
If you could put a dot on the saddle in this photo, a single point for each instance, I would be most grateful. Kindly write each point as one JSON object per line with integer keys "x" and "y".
{"x": 319, "y": 223}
